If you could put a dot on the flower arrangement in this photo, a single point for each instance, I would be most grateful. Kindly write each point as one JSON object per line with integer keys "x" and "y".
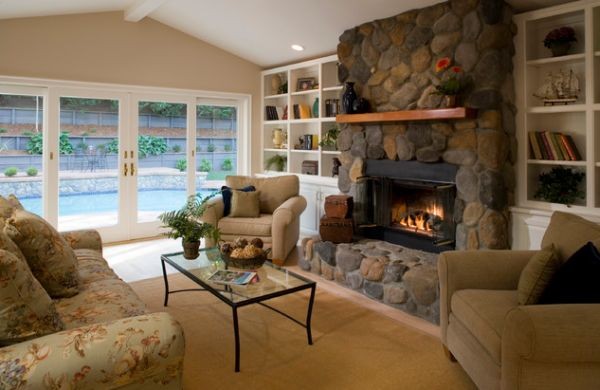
{"x": 560, "y": 36}
{"x": 451, "y": 83}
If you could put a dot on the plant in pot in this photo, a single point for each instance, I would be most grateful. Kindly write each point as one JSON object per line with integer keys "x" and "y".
{"x": 560, "y": 185}
{"x": 328, "y": 142}
{"x": 559, "y": 40}
{"x": 451, "y": 82}
{"x": 277, "y": 161}
{"x": 185, "y": 224}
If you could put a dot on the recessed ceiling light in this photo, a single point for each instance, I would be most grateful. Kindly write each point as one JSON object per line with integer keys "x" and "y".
{"x": 297, "y": 47}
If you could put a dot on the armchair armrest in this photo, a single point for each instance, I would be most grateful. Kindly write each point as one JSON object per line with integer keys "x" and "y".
{"x": 83, "y": 239}
{"x": 568, "y": 334}
{"x": 212, "y": 214}
{"x": 486, "y": 269}
{"x": 146, "y": 349}
{"x": 288, "y": 211}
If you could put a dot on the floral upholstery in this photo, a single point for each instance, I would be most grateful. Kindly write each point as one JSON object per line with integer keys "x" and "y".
{"x": 50, "y": 257}
{"x": 8, "y": 206}
{"x": 83, "y": 239}
{"x": 26, "y": 310}
{"x": 92, "y": 267}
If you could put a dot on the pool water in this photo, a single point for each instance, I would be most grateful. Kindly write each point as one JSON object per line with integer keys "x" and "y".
{"x": 93, "y": 203}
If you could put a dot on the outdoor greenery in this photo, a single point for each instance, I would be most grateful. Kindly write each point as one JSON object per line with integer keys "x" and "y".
{"x": 176, "y": 149}
{"x": 227, "y": 148}
{"x": 148, "y": 145}
{"x": 185, "y": 222}
{"x": 32, "y": 171}
{"x": 10, "y": 172}
{"x": 560, "y": 185}
{"x": 227, "y": 164}
{"x": 215, "y": 112}
{"x": 211, "y": 148}
{"x": 204, "y": 166}
{"x": 35, "y": 144}
{"x": 181, "y": 165}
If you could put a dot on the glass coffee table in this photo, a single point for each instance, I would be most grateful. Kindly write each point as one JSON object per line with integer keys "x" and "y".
{"x": 273, "y": 281}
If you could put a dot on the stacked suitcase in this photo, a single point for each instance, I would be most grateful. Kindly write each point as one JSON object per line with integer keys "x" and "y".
{"x": 337, "y": 226}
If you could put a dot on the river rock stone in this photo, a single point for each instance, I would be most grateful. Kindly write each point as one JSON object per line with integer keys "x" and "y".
{"x": 492, "y": 148}
{"x": 442, "y": 43}
{"x": 354, "y": 280}
{"x": 375, "y": 152}
{"x": 404, "y": 96}
{"x": 389, "y": 58}
{"x": 327, "y": 271}
{"x": 394, "y": 294}
{"x": 380, "y": 39}
{"x": 466, "y": 184}
{"x": 344, "y": 183}
{"x": 419, "y": 36}
{"x": 357, "y": 170}
{"x": 359, "y": 145}
{"x": 373, "y": 289}
{"x": 315, "y": 265}
{"x": 498, "y": 36}
{"x": 374, "y": 135}
{"x": 401, "y": 72}
{"x": 459, "y": 156}
{"x": 344, "y": 140}
{"x": 420, "y": 59}
{"x": 404, "y": 148}
{"x": 389, "y": 146}
{"x": 378, "y": 77}
{"x": 326, "y": 251}
{"x": 463, "y": 7}
{"x": 461, "y": 237}
{"x": 429, "y": 98}
{"x": 472, "y": 240}
{"x": 488, "y": 72}
{"x": 398, "y": 33}
{"x": 484, "y": 99}
{"x": 492, "y": 191}
{"x": 394, "y": 271}
{"x": 346, "y": 159}
{"x": 419, "y": 135}
{"x": 428, "y": 155}
{"x": 372, "y": 268}
{"x": 347, "y": 260}
{"x": 427, "y": 16}
{"x": 447, "y": 23}
{"x": 473, "y": 211}
{"x": 304, "y": 264}
{"x": 471, "y": 27}
{"x": 493, "y": 230}
{"x": 466, "y": 55}
{"x": 459, "y": 208}
{"x": 360, "y": 71}
{"x": 438, "y": 140}
{"x": 463, "y": 139}
{"x": 490, "y": 119}
{"x": 422, "y": 284}
{"x": 491, "y": 10}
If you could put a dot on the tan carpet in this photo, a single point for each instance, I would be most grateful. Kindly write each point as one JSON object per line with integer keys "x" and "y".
{"x": 354, "y": 348}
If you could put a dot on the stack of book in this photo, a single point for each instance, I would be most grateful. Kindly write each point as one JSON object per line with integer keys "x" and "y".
{"x": 274, "y": 113}
{"x": 332, "y": 107}
{"x": 302, "y": 111}
{"x": 546, "y": 145}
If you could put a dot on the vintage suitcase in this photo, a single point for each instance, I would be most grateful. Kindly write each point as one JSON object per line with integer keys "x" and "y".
{"x": 336, "y": 230}
{"x": 339, "y": 206}
{"x": 310, "y": 167}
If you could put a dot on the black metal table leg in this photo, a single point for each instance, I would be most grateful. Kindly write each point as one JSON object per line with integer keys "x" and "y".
{"x": 236, "y": 332}
{"x": 309, "y": 314}
{"x": 166, "y": 282}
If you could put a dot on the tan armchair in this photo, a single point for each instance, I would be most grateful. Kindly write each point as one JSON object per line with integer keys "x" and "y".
{"x": 280, "y": 209}
{"x": 504, "y": 345}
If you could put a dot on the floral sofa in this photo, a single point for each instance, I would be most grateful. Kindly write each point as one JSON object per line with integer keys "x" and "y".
{"x": 102, "y": 337}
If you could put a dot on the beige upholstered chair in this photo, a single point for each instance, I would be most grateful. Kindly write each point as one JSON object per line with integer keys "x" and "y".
{"x": 503, "y": 345}
{"x": 280, "y": 208}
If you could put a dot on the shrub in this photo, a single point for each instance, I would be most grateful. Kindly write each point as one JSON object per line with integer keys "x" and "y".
{"x": 176, "y": 148}
{"x": 227, "y": 165}
{"x": 10, "y": 172}
{"x": 32, "y": 171}
{"x": 64, "y": 144}
{"x": 35, "y": 144}
{"x": 113, "y": 146}
{"x": 3, "y": 130}
{"x": 204, "y": 166}
{"x": 81, "y": 146}
{"x": 181, "y": 164}
{"x": 198, "y": 148}
{"x": 227, "y": 148}
{"x": 150, "y": 145}
{"x": 211, "y": 148}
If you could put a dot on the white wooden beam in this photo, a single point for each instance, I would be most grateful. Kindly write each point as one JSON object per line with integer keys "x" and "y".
{"x": 142, "y": 8}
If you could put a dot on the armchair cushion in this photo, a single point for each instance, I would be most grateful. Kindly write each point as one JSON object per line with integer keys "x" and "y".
{"x": 255, "y": 227}
{"x": 569, "y": 232}
{"x": 227, "y": 192}
{"x": 273, "y": 190}
{"x": 577, "y": 281}
{"x": 536, "y": 275}
{"x": 49, "y": 256}
{"x": 245, "y": 204}
{"x": 26, "y": 310}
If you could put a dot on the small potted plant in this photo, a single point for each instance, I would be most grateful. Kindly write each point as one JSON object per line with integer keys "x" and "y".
{"x": 278, "y": 161}
{"x": 559, "y": 40}
{"x": 451, "y": 83}
{"x": 560, "y": 185}
{"x": 329, "y": 140}
{"x": 185, "y": 224}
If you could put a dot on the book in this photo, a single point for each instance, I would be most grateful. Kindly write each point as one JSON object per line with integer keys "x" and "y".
{"x": 535, "y": 147}
{"x": 224, "y": 276}
{"x": 304, "y": 111}
{"x": 571, "y": 147}
{"x": 554, "y": 145}
{"x": 563, "y": 149}
{"x": 542, "y": 145}
{"x": 315, "y": 142}
{"x": 549, "y": 151}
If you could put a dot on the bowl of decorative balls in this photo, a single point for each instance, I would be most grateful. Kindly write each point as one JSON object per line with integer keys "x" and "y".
{"x": 243, "y": 254}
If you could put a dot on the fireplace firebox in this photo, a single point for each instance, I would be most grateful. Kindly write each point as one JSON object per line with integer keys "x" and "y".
{"x": 411, "y": 204}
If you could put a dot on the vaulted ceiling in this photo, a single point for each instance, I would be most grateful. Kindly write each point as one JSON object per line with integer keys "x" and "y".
{"x": 260, "y": 31}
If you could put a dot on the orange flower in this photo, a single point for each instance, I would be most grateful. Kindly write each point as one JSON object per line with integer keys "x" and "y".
{"x": 456, "y": 69}
{"x": 442, "y": 64}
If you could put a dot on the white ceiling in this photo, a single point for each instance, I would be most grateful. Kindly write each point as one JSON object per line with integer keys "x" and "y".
{"x": 260, "y": 31}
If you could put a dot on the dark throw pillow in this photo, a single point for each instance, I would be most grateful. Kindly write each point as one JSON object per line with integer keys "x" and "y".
{"x": 577, "y": 281}
{"x": 227, "y": 192}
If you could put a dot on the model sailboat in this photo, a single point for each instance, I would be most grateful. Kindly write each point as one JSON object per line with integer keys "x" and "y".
{"x": 559, "y": 88}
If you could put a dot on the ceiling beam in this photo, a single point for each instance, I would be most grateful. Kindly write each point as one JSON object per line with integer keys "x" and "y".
{"x": 141, "y": 8}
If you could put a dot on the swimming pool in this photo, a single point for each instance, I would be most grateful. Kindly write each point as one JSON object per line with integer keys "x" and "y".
{"x": 93, "y": 203}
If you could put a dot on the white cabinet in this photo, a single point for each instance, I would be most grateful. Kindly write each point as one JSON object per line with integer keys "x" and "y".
{"x": 315, "y": 195}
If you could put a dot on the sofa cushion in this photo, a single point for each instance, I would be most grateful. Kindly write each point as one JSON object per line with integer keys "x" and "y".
{"x": 578, "y": 280}
{"x": 92, "y": 267}
{"x": 99, "y": 301}
{"x": 8, "y": 205}
{"x": 254, "y": 227}
{"x": 26, "y": 310}
{"x": 569, "y": 232}
{"x": 227, "y": 192}
{"x": 273, "y": 190}
{"x": 245, "y": 204}
{"x": 50, "y": 258}
{"x": 536, "y": 275}
{"x": 483, "y": 312}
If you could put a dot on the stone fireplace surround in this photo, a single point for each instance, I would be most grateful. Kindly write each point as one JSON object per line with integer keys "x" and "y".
{"x": 392, "y": 62}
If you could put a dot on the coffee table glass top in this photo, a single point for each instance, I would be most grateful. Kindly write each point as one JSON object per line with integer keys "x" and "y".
{"x": 271, "y": 278}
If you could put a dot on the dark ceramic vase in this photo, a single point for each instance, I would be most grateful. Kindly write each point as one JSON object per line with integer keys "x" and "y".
{"x": 360, "y": 106}
{"x": 348, "y": 98}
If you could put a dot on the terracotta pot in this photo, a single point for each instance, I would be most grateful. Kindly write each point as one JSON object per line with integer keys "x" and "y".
{"x": 449, "y": 101}
{"x": 191, "y": 250}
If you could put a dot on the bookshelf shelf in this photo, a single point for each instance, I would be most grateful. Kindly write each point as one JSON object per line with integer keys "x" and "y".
{"x": 307, "y": 92}
{"x": 554, "y": 109}
{"x": 335, "y": 88}
{"x": 557, "y": 60}
{"x": 558, "y": 162}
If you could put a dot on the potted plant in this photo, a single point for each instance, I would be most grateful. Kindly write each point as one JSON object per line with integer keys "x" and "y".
{"x": 276, "y": 160}
{"x": 328, "y": 142}
{"x": 559, "y": 40}
{"x": 451, "y": 83}
{"x": 560, "y": 185}
{"x": 185, "y": 223}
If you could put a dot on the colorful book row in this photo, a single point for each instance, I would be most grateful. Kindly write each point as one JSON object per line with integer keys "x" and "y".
{"x": 546, "y": 145}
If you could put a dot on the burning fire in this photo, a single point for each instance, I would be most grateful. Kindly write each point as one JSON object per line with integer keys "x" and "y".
{"x": 417, "y": 220}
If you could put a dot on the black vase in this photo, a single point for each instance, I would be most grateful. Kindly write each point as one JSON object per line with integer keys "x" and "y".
{"x": 360, "y": 106}
{"x": 348, "y": 98}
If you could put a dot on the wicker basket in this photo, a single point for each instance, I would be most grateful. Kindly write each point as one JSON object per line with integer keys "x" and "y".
{"x": 251, "y": 263}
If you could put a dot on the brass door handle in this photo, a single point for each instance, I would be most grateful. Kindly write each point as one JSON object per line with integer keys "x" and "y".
{"x": 132, "y": 169}
{"x": 125, "y": 169}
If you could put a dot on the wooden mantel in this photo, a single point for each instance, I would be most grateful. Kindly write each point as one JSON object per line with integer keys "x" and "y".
{"x": 409, "y": 115}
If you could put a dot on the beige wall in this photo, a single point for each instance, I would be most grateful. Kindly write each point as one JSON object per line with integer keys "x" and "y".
{"x": 102, "y": 47}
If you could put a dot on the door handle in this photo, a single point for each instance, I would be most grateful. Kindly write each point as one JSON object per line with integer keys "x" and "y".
{"x": 125, "y": 169}
{"x": 132, "y": 169}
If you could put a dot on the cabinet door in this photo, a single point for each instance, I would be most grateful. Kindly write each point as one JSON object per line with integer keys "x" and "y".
{"x": 309, "y": 220}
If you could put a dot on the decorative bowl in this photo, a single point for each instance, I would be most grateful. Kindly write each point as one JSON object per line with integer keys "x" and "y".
{"x": 249, "y": 263}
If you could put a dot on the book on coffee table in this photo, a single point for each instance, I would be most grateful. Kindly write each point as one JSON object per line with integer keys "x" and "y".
{"x": 223, "y": 276}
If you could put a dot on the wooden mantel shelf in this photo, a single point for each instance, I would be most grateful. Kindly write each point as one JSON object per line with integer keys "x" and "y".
{"x": 409, "y": 115}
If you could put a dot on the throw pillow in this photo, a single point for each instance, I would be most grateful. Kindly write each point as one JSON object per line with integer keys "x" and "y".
{"x": 8, "y": 206}
{"x": 536, "y": 275}
{"x": 577, "y": 280}
{"x": 26, "y": 310}
{"x": 227, "y": 192}
{"x": 245, "y": 204}
{"x": 49, "y": 256}
{"x": 568, "y": 233}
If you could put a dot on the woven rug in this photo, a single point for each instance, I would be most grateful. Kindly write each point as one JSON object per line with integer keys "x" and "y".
{"x": 353, "y": 347}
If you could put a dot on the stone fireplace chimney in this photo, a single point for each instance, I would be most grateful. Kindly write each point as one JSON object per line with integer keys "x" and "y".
{"x": 392, "y": 62}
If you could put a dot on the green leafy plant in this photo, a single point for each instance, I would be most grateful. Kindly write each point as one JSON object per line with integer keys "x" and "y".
{"x": 227, "y": 148}
{"x": 176, "y": 148}
{"x": 32, "y": 171}
{"x": 181, "y": 165}
{"x": 227, "y": 165}
{"x": 211, "y": 148}
{"x": 330, "y": 138}
{"x": 81, "y": 146}
{"x": 112, "y": 147}
{"x": 560, "y": 185}
{"x": 10, "y": 171}
{"x": 451, "y": 82}
{"x": 185, "y": 223}
{"x": 3, "y": 130}
{"x": 205, "y": 166}
{"x": 35, "y": 145}
{"x": 278, "y": 161}
{"x": 149, "y": 145}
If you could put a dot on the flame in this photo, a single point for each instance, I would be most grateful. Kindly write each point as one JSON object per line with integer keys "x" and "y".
{"x": 419, "y": 221}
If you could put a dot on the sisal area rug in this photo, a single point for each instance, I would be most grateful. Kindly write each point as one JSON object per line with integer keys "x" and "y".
{"x": 353, "y": 347}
